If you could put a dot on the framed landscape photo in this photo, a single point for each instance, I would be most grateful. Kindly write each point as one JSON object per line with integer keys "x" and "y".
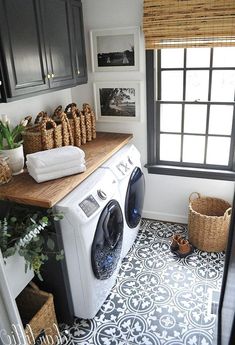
{"x": 117, "y": 101}
{"x": 115, "y": 49}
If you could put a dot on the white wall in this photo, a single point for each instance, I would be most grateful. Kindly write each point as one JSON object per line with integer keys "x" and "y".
{"x": 17, "y": 110}
{"x": 166, "y": 196}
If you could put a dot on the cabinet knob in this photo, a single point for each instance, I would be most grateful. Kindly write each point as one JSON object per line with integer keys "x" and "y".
{"x": 48, "y": 76}
{"x": 52, "y": 75}
{"x": 78, "y": 72}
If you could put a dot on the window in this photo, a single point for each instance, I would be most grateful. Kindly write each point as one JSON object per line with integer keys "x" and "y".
{"x": 190, "y": 96}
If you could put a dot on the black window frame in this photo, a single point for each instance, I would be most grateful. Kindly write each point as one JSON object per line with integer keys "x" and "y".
{"x": 154, "y": 165}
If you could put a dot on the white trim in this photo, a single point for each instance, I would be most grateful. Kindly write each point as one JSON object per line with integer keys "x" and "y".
{"x": 167, "y": 217}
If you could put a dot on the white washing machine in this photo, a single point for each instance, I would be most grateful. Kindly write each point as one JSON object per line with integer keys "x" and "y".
{"x": 92, "y": 232}
{"x": 126, "y": 166}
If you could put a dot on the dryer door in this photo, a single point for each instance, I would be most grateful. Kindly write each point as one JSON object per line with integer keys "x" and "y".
{"x": 134, "y": 198}
{"x": 107, "y": 243}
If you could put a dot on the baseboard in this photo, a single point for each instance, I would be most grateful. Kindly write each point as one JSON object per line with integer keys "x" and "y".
{"x": 166, "y": 217}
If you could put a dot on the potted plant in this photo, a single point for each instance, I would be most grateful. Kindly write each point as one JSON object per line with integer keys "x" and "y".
{"x": 11, "y": 144}
{"x": 26, "y": 231}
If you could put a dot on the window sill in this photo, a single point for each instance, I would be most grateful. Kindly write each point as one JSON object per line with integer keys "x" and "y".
{"x": 191, "y": 172}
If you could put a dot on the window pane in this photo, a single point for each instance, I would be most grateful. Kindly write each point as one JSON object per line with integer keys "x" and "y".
{"x": 197, "y": 85}
{"x": 194, "y": 148}
{"x": 172, "y": 86}
{"x": 170, "y": 117}
{"x": 224, "y": 57}
{"x": 170, "y": 147}
{"x": 198, "y": 57}
{"x": 221, "y": 117}
{"x": 195, "y": 118}
{"x": 218, "y": 151}
{"x": 223, "y": 85}
{"x": 172, "y": 58}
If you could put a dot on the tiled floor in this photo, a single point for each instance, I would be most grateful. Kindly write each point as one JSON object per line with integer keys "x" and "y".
{"x": 158, "y": 299}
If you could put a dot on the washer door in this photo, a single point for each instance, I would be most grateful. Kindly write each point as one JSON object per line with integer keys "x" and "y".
{"x": 134, "y": 198}
{"x": 107, "y": 243}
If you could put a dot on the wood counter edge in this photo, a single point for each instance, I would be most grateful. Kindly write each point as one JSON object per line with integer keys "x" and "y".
{"x": 45, "y": 202}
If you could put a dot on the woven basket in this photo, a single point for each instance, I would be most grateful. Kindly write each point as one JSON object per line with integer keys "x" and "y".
{"x": 90, "y": 121}
{"x": 37, "y": 310}
{"x": 208, "y": 223}
{"x": 60, "y": 117}
{"x": 43, "y": 136}
{"x": 72, "y": 113}
{"x": 5, "y": 171}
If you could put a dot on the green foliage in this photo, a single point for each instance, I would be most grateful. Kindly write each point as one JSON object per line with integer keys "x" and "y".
{"x": 12, "y": 136}
{"x": 28, "y": 231}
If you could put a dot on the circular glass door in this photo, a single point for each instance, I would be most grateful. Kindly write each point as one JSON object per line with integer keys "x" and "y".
{"x": 134, "y": 198}
{"x": 107, "y": 243}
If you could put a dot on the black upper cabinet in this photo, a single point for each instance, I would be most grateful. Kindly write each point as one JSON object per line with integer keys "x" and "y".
{"x": 22, "y": 47}
{"x": 56, "y": 18}
{"x": 2, "y": 90}
{"x": 79, "y": 43}
{"x": 42, "y": 46}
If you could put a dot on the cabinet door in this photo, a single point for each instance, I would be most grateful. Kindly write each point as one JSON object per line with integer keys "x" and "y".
{"x": 2, "y": 91}
{"x": 56, "y": 16}
{"x": 79, "y": 43}
{"x": 23, "y": 53}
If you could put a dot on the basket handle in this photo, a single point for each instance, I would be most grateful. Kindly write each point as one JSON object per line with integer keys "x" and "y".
{"x": 40, "y": 117}
{"x": 57, "y": 111}
{"x": 69, "y": 107}
{"x": 86, "y": 108}
{"x": 43, "y": 129}
{"x": 228, "y": 212}
{"x": 191, "y": 196}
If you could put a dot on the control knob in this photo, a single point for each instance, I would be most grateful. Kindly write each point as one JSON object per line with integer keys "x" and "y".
{"x": 101, "y": 194}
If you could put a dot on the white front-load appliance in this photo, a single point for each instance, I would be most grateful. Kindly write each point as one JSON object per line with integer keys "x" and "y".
{"x": 126, "y": 166}
{"x": 92, "y": 233}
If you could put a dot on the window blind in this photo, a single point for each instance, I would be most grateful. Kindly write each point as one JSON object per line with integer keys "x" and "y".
{"x": 189, "y": 23}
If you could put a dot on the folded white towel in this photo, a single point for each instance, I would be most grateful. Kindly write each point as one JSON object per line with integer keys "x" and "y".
{"x": 55, "y": 156}
{"x": 55, "y": 167}
{"x": 57, "y": 174}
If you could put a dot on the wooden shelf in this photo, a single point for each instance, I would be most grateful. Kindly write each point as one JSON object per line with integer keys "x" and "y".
{"x": 23, "y": 188}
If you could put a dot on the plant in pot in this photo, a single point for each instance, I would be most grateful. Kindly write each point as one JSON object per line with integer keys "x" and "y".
{"x": 27, "y": 231}
{"x": 11, "y": 145}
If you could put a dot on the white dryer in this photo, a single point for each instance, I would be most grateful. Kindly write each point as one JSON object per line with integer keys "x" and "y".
{"x": 92, "y": 232}
{"x": 126, "y": 166}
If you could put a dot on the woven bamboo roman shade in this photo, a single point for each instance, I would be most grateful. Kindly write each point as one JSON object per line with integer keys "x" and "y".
{"x": 189, "y": 23}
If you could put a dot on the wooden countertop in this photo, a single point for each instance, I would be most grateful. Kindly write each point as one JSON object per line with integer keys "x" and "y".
{"x": 25, "y": 190}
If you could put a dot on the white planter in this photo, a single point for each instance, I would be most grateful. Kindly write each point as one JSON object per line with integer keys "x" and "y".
{"x": 16, "y": 277}
{"x": 16, "y": 159}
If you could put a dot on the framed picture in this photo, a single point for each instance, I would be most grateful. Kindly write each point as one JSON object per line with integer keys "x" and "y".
{"x": 117, "y": 101}
{"x": 115, "y": 49}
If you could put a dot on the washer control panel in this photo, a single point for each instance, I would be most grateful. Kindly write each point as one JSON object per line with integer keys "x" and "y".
{"x": 89, "y": 205}
{"x": 125, "y": 166}
{"x": 101, "y": 194}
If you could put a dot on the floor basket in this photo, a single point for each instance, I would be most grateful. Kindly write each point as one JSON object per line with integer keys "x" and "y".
{"x": 208, "y": 223}
{"x": 37, "y": 312}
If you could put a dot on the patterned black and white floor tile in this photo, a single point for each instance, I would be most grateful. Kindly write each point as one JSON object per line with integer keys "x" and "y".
{"x": 158, "y": 299}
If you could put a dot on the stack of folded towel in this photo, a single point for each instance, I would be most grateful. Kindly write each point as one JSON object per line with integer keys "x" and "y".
{"x": 55, "y": 163}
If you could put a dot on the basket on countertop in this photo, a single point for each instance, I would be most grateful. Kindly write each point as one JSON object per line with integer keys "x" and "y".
{"x": 5, "y": 171}
{"x": 90, "y": 121}
{"x": 44, "y": 135}
{"x": 60, "y": 117}
{"x": 75, "y": 122}
{"x": 208, "y": 222}
{"x": 37, "y": 312}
